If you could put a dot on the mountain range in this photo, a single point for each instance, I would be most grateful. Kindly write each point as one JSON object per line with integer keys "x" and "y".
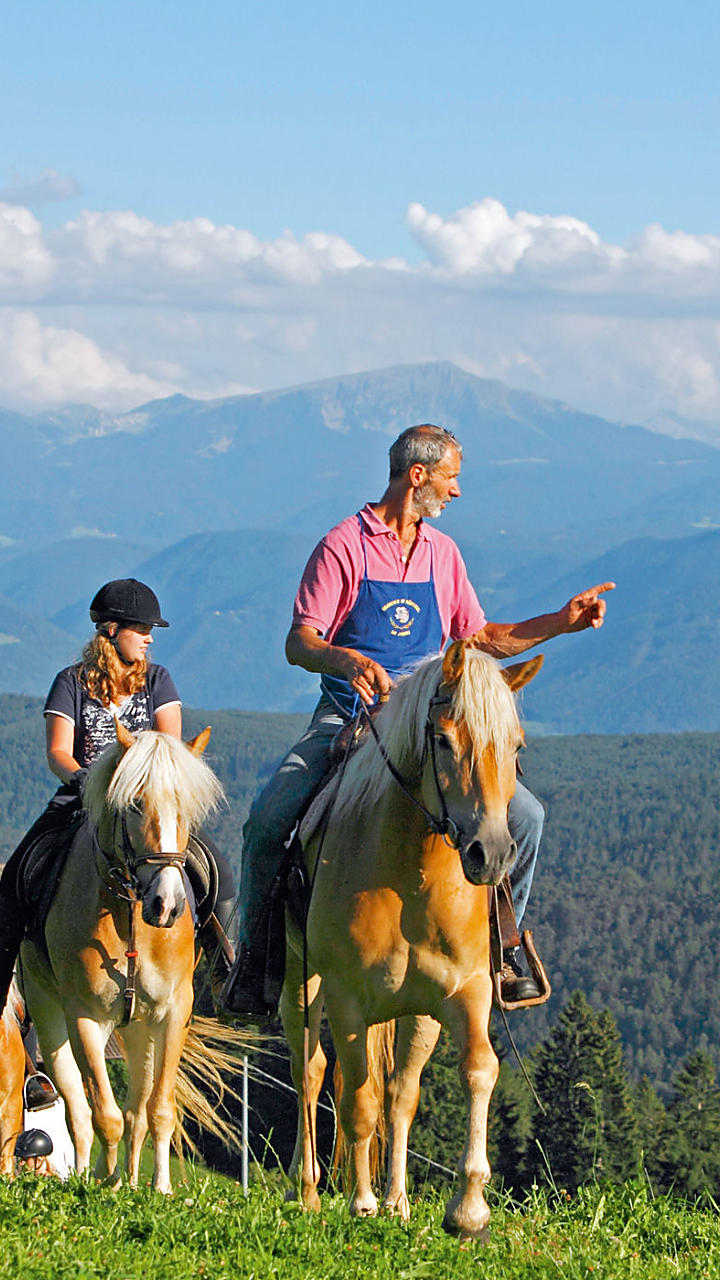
{"x": 218, "y": 504}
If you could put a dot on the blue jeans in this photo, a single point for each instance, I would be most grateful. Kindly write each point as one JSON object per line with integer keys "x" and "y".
{"x": 282, "y": 802}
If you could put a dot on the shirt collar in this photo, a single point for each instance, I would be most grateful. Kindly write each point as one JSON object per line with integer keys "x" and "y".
{"x": 374, "y": 525}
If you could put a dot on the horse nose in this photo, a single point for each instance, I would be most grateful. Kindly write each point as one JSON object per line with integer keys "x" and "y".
{"x": 487, "y": 861}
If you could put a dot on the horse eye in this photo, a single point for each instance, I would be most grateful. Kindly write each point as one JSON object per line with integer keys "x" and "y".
{"x": 443, "y": 741}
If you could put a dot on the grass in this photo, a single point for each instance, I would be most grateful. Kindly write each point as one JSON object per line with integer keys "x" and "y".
{"x": 208, "y": 1228}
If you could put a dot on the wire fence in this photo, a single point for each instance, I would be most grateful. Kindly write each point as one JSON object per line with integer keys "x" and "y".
{"x": 257, "y": 1074}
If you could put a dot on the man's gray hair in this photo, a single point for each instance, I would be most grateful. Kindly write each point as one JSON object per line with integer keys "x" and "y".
{"x": 425, "y": 443}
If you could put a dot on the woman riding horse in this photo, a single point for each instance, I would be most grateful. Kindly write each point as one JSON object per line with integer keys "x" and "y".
{"x": 112, "y": 679}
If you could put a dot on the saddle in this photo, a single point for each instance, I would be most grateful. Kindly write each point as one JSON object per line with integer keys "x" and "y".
{"x": 44, "y": 858}
{"x": 40, "y": 868}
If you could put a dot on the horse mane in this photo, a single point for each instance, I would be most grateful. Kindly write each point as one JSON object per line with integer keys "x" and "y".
{"x": 480, "y": 699}
{"x": 157, "y": 769}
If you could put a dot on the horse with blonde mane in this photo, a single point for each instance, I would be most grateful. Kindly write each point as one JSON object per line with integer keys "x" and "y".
{"x": 399, "y": 854}
{"x": 118, "y": 948}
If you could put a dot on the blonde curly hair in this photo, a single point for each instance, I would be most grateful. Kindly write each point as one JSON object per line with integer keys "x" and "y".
{"x": 104, "y": 674}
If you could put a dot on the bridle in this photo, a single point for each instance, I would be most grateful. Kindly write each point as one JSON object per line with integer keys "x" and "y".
{"x": 121, "y": 877}
{"x": 443, "y": 825}
{"x": 122, "y": 881}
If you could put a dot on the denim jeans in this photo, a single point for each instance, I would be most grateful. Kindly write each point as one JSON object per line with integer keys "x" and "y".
{"x": 283, "y": 801}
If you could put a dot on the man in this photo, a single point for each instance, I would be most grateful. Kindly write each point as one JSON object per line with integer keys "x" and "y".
{"x": 381, "y": 591}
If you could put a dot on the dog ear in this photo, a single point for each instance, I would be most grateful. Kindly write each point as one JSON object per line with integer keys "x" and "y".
{"x": 197, "y": 745}
{"x": 521, "y": 673}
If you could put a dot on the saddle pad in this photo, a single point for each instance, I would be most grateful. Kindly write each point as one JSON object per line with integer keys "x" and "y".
{"x": 203, "y": 877}
{"x": 41, "y": 867}
{"x": 317, "y": 809}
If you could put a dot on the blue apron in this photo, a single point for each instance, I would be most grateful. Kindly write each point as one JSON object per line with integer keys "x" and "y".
{"x": 397, "y": 624}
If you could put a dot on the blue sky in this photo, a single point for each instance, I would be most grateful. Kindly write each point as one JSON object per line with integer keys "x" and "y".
{"x": 321, "y": 119}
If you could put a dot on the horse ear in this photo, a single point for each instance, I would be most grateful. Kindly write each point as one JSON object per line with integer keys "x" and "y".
{"x": 123, "y": 735}
{"x": 522, "y": 672}
{"x": 453, "y": 662}
{"x": 198, "y": 745}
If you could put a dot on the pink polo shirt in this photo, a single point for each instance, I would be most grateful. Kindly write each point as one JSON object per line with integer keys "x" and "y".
{"x": 333, "y": 574}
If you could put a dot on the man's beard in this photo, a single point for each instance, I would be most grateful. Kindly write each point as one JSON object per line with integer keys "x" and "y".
{"x": 426, "y": 502}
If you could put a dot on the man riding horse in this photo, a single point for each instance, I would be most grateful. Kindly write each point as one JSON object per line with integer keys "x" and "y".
{"x": 381, "y": 591}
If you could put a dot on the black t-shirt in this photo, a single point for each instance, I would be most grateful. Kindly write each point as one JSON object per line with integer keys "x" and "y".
{"x": 95, "y": 724}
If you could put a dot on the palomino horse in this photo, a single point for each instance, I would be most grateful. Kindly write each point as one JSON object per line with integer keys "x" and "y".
{"x": 121, "y": 905}
{"x": 398, "y": 917}
{"x": 12, "y": 1075}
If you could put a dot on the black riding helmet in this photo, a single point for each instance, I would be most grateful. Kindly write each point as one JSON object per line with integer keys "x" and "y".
{"x": 127, "y": 601}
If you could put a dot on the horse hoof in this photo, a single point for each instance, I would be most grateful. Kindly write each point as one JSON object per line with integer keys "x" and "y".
{"x": 399, "y": 1208}
{"x": 466, "y": 1231}
{"x": 364, "y": 1208}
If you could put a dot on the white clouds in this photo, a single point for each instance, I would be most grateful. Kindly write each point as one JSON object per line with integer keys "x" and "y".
{"x": 26, "y": 264}
{"x": 42, "y": 364}
{"x": 129, "y": 256}
{"x": 485, "y": 239}
{"x": 124, "y": 308}
{"x": 49, "y": 187}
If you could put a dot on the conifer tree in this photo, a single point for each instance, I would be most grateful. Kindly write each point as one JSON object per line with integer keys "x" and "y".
{"x": 588, "y": 1130}
{"x": 692, "y": 1161}
{"x": 651, "y": 1120}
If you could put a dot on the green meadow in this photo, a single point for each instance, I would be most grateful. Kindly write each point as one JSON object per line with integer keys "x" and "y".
{"x": 209, "y": 1228}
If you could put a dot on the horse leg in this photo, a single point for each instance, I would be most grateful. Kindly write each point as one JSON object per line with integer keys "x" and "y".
{"x": 467, "y": 1213}
{"x": 169, "y": 1042}
{"x": 12, "y": 1071}
{"x": 359, "y": 1107}
{"x": 88, "y": 1039}
{"x": 140, "y": 1064}
{"x": 304, "y": 1171}
{"x": 52, "y": 1031}
{"x": 416, "y": 1039}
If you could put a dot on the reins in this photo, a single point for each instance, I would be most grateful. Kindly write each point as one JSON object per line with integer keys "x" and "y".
{"x": 122, "y": 882}
{"x": 444, "y": 826}
{"x": 494, "y": 974}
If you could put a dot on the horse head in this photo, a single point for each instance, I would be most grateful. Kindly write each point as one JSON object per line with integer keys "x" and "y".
{"x": 145, "y": 796}
{"x": 473, "y": 739}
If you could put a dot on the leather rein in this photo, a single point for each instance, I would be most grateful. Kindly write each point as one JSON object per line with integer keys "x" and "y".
{"x": 443, "y": 825}
{"x": 121, "y": 880}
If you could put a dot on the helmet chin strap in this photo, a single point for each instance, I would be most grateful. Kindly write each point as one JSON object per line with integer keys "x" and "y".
{"x": 99, "y": 626}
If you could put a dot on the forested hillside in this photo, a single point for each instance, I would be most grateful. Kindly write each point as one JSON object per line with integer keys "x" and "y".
{"x": 625, "y": 900}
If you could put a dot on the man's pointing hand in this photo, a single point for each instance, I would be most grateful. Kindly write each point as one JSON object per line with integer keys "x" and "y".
{"x": 586, "y": 609}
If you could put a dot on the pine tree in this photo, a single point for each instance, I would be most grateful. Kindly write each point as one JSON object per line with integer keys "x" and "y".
{"x": 588, "y": 1130}
{"x": 651, "y": 1120}
{"x": 692, "y": 1161}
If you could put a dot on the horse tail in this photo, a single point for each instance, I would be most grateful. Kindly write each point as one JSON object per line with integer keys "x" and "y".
{"x": 204, "y": 1088}
{"x": 380, "y": 1065}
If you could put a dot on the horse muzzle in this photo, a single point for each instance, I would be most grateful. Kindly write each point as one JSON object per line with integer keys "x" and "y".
{"x": 164, "y": 899}
{"x": 487, "y": 861}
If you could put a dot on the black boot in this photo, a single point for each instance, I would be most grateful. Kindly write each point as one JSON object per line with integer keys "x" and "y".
{"x": 243, "y": 997}
{"x": 516, "y": 984}
{"x": 12, "y": 930}
{"x": 215, "y": 937}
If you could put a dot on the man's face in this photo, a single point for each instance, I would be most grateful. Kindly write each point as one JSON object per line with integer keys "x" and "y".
{"x": 439, "y": 487}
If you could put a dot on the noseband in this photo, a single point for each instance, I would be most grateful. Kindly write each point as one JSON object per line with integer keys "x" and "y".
{"x": 122, "y": 879}
{"x": 123, "y": 882}
{"x": 443, "y": 825}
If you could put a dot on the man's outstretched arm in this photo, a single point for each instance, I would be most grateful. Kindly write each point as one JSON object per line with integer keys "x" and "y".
{"x": 505, "y": 639}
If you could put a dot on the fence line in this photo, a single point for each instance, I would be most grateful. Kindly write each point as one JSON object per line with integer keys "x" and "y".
{"x": 264, "y": 1076}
